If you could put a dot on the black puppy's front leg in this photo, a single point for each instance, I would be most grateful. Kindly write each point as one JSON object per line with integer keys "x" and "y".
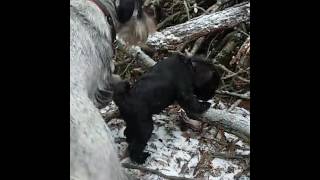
{"x": 143, "y": 131}
{"x": 129, "y": 133}
{"x": 191, "y": 104}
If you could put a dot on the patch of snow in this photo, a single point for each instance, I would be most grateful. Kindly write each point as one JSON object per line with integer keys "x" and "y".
{"x": 177, "y": 154}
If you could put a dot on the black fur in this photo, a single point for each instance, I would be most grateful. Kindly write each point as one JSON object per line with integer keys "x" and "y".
{"x": 177, "y": 78}
{"x": 126, "y": 9}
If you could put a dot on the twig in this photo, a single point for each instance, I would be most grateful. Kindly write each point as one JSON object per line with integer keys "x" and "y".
{"x": 242, "y": 51}
{"x": 122, "y": 62}
{"x": 202, "y": 9}
{"x": 232, "y": 75}
{"x": 235, "y": 104}
{"x": 223, "y": 42}
{"x": 213, "y": 41}
{"x": 239, "y": 30}
{"x": 229, "y": 43}
{"x": 187, "y": 9}
{"x": 125, "y": 70}
{"x": 169, "y": 18}
{"x": 245, "y": 96}
{"x": 231, "y": 72}
{"x": 217, "y": 6}
{"x": 136, "y": 52}
{"x": 214, "y": 7}
{"x": 226, "y": 144}
{"x": 197, "y": 45}
{"x": 174, "y": 5}
{"x": 229, "y": 156}
{"x": 153, "y": 171}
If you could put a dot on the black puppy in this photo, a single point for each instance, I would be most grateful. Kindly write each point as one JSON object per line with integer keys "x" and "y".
{"x": 177, "y": 78}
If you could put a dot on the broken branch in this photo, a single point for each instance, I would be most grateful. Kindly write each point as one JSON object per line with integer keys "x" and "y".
{"x": 230, "y": 72}
{"x": 245, "y": 96}
{"x": 153, "y": 171}
{"x": 229, "y": 156}
{"x": 172, "y": 38}
{"x": 233, "y": 124}
{"x": 136, "y": 52}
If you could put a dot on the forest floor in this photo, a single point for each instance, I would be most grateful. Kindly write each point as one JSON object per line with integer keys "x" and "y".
{"x": 178, "y": 149}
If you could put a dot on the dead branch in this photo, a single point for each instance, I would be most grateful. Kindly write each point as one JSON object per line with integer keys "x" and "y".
{"x": 202, "y": 9}
{"x": 243, "y": 51}
{"x": 187, "y": 9}
{"x": 235, "y": 104}
{"x": 197, "y": 45}
{"x": 223, "y": 42}
{"x": 245, "y": 96}
{"x": 122, "y": 62}
{"x": 218, "y": 5}
{"x": 225, "y": 54}
{"x": 233, "y": 124}
{"x": 153, "y": 171}
{"x": 235, "y": 74}
{"x": 169, "y": 18}
{"x": 229, "y": 156}
{"x": 173, "y": 37}
{"x": 137, "y": 53}
{"x": 241, "y": 31}
{"x": 230, "y": 72}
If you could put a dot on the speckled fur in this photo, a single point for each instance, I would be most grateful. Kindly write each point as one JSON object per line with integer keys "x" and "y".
{"x": 92, "y": 151}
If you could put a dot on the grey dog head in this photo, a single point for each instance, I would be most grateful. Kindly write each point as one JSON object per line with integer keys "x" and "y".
{"x": 134, "y": 24}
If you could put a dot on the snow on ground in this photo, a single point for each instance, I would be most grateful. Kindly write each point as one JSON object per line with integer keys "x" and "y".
{"x": 184, "y": 153}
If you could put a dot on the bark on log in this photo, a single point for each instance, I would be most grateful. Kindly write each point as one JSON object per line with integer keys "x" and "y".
{"x": 232, "y": 123}
{"x": 173, "y": 37}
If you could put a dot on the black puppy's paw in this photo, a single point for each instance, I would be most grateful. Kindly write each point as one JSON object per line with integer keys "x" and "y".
{"x": 128, "y": 135}
{"x": 141, "y": 158}
{"x": 204, "y": 106}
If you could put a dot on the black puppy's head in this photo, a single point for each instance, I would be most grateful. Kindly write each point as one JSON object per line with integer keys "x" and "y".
{"x": 206, "y": 78}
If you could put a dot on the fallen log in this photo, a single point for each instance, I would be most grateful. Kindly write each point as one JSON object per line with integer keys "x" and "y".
{"x": 173, "y": 37}
{"x": 231, "y": 123}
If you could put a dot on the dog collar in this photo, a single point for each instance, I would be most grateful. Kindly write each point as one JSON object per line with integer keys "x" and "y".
{"x": 106, "y": 13}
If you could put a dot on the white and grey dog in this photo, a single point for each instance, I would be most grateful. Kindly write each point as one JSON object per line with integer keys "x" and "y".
{"x": 93, "y": 24}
